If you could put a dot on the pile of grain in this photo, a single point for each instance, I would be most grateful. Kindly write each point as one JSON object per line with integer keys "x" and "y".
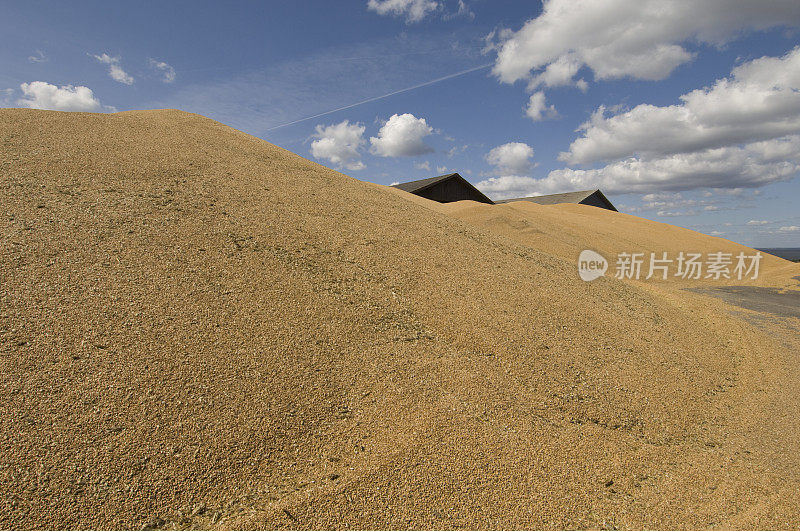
{"x": 198, "y": 328}
{"x": 566, "y": 229}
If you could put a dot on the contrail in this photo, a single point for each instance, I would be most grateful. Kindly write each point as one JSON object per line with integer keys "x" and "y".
{"x": 376, "y": 98}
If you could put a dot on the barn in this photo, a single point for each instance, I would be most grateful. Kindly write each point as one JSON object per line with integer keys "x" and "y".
{"x": 586, "y": 197}
{"x": 445, "y": 189}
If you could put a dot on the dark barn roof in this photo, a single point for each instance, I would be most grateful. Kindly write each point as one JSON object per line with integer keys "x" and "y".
{"x": 445, "y": 189}
{"x": 586, "y": 197}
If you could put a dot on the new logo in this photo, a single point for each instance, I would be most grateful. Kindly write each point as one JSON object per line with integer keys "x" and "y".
{"x": 591, "y": 265}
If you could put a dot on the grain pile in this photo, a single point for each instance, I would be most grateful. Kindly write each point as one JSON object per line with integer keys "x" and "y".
{"x": 566, "y": 229}
{"x": 199, "y": 329}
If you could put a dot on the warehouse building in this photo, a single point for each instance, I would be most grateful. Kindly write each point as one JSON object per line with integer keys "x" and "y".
{"x": 453, "y": 187}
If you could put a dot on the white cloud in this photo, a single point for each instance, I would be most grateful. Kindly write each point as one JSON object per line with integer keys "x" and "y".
{"x": 441, "y": 169}
{"x": 558, "y": 73}
{"x": 760, "y": 101}
{"x": 455, "y": 150}
{"x": 508, "y": 187}
{"x": 746, "y": 166}
{"x": 340, "y": 144}
{"x": 114, "y": 70}
{"x": 741, "y": 133}
{"x": 167, "y": 72}
{"x": 402, "y": 136}
{"x": 41, "y": 95}
{"x": 423, "y": 165}
{"x": 413, "y": 10}
{"x": 38, "y": 57}
{"x": 537, "y": 109}
{"x": 737, "y": 192}
{"x": 463, "y": 10}
{"x": 757, "y": 222}
{"x": 662, "y": 196}
{"x": 675, "y": 202}
{"x": 118, "y": 74}
{"x": 6, "y": 97}
{"x": 750, "y": 165}
{"x": 672, "y": 202}
{"x": 628, "y": 38}
{"x": 792, "y": 228}
{"x": 513, "y": 158}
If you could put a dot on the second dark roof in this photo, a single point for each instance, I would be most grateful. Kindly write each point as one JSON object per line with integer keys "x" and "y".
{"x": 568, "y": 197}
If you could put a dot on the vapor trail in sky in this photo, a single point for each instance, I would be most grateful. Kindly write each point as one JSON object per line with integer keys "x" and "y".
{"x": 376, "y": 98}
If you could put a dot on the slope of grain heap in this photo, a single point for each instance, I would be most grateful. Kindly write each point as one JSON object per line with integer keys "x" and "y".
{"x": 198, "y": 328}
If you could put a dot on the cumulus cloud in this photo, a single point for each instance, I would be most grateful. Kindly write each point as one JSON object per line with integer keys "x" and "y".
{"x": 509, "y": 187}
{"x": 745, "y": 166}
{"x": 513, "y": 162}
{"x": 640, "y": 39}
{"x": 741, "y": 133}
{"x": 791, "y": 228}
{"x": 423, "y": 165}
{"x": 538, "y": 110}
{"x": 114, "y": 69}
{"x": 340, "y": 144}
{"x": 413, "y": 10}
{"x": 558, "y": 73}
{"x": 167, "y": 72}
{"x": 42, "y": 95}
{"x": 402, "y": 136}
{"x": 675, "y": 202}
{"x": 759, "y": 101}
{"x": 757, "y": 222}
{"x": 513, "y": 158}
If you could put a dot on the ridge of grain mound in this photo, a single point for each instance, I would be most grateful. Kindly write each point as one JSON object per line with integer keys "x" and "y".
{"x": 566, "y": 229}
{"x": 198, "y": 329}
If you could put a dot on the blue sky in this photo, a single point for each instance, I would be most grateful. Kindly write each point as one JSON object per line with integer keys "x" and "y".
{"x": 682, "y": 113}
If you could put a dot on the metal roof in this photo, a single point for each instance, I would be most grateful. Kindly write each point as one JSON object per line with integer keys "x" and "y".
{"x": 568, "y": 197}
{"x": 415, "y": 186}
{"x": 421, "y": 184}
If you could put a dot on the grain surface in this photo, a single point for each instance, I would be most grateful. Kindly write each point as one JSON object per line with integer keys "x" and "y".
{"x": 199, "y": 329}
